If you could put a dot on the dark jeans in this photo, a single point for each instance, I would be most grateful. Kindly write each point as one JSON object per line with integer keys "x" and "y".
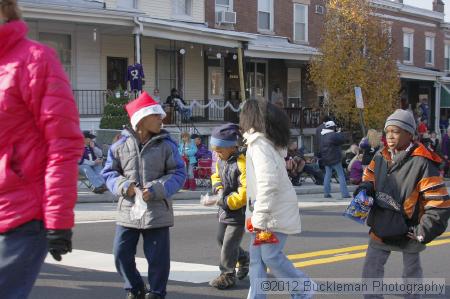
{"x": 22, "y": 253}
{"x": 157, "y": 253}
{"x": 229, "y": 238}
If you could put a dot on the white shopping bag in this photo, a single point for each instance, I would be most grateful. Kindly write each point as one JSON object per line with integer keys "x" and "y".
{"x": 139, "y": 207}
{"x": 208, "y": 200}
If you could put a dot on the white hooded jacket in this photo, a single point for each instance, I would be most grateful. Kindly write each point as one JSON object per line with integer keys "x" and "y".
{"x": 271, "y": 198}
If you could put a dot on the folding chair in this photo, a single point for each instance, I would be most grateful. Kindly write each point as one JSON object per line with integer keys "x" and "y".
{"x": 202, "y": 173}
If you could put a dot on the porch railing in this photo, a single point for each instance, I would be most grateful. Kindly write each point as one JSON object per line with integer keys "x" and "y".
{"x": 199, "y": 114}
{"x": 90, "y": 102}
{"x": 303, "y": 117}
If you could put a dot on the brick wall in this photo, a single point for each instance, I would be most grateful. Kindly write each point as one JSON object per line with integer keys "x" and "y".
{"x": 283, "y": 26}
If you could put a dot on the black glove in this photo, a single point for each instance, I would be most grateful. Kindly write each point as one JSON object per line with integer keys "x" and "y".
{"x": 59, "y": 242}
{"x": 368, "y": 186}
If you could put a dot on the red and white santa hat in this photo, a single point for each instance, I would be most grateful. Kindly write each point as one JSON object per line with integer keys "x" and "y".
{"x": 143, "y": 106}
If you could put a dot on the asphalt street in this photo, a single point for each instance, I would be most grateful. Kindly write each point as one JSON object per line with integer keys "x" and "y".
{"x": 195, "y": 254}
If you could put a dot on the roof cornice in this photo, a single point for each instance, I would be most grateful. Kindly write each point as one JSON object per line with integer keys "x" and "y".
{"x": 407, "y": 9}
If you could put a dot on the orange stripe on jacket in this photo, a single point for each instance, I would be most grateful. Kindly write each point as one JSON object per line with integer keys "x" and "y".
{"x": 409, "y": 205}
{"x": 429, "y": 182}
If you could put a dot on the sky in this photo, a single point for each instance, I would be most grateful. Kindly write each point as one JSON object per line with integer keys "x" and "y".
{"x": 428, "y": 4}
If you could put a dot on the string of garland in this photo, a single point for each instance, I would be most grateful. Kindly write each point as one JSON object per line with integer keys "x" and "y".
{"x": 211, "y": 104}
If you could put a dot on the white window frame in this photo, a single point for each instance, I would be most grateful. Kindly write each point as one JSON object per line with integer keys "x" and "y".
{"x": 271, "y": 12}
{"x": 220, "y": 7}
{"x": 447, "y": 55}
{"x": 306, "y": 22}
{"x": 410, "y": 33}
{"x": 179, "y": 14}
{"x": 70, "y": 70}
{"x": 431, "y": 38}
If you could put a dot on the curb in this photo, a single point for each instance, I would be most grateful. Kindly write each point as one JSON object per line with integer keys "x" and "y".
{"x": 85, "y": 196}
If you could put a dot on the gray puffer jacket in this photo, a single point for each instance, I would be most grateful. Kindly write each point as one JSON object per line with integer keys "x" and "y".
{"x": 156, "y": 166}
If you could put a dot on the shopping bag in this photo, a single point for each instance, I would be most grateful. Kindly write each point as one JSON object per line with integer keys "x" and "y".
{"x": 359, "y": 207}
{"x": 139, "y": 207}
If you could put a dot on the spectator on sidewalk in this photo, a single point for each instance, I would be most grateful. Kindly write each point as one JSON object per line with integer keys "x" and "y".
{"x": 202, "y": 149}
{"x": 40, "y": 149}
{"x": 187, "y": 150}
{"x": 317, "y": 138}
{"x": 91, "y": 164}
{"x": 147, "y": 159}
{"x": 355, "y": 170}
{"x": 412, "y": 204}
{"x": 445, "y": 150}
{"x": 370, "y": 145}
{"x": 331, "y": 155}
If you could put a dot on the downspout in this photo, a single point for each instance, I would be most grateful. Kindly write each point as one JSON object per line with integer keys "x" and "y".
{"x": 137, "y": 31}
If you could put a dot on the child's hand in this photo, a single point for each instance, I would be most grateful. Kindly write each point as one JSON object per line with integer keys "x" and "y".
{"x": 146, "y": 194}
{"x": 130, "y": 190}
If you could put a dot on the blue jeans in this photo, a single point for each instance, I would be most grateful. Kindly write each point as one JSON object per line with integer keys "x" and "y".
{"x": 327, "y": 180}
{"x": 157, "y": 253}
{"x": 92, "y": 173}
{"x": 271, "y": 256}
{"x": 22, "y": 253}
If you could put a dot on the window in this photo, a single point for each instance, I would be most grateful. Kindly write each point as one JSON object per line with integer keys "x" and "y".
{"x": 224, "y": 5}
{"x": 294, "y": 87}
{"x": 265, "y": 15}
{"x": 127, "y": 4}
{"x": 408, "y": 42}
{"x": 182, "y": 8}
{"x": 62, "y": 43}
{"x": 300, "y": 23}
{"x": 429, "y": 49}
{"x": 255, "y": 79}
{"x": 166, "y": 72}
{"x": 447, "y": 57}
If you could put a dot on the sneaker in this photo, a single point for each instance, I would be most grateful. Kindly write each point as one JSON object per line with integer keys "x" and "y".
{"x": 243, "y": 268}
{"x": 140, "y": 295}
{"x": 99, "y": 190}
{"x": 327, "y": 196}
{"x": 223, "y": 281}
{"x": 151, "y": 295}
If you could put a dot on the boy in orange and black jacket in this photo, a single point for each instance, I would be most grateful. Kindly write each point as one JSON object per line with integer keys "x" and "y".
{"x": 411, "y": 206}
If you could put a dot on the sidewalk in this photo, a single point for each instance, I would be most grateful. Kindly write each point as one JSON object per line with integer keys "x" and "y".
{"x": 307, "y": 192}
{"x": 307, "y": 188}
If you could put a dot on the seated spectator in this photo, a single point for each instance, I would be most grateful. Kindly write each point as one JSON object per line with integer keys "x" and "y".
{"x": 91, "y": 164}
{"x": 174, "y": 101}
{"x": 370, "y": 145}
{"x": 355, "y": 170}
{"x": 296, "y": 164}
{"x": 202, "y": 150}
{"x": 350, "y": 153}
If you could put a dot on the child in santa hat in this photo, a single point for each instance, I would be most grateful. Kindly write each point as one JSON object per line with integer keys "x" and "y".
{"x": 145, "y": 162}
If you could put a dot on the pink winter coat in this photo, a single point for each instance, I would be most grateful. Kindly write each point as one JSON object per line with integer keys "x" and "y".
{"x": 40, "y": 136}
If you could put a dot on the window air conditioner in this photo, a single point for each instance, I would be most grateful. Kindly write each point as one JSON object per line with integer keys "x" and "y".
{"x": 226, "y": 17}
{"x": 320, "y": 9}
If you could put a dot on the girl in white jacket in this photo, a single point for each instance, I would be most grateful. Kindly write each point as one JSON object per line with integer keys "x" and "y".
{"x": 271, "y": 199}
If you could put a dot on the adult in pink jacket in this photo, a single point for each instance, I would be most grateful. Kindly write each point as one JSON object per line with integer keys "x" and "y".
{"x": 41, "y": 144}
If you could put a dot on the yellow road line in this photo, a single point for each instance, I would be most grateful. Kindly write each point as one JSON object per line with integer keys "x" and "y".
{"x": 329, "y": 260}
{"x": 326, "y": 252}
{"x": 338, "y": 250}
{"x": 349, "y": 256}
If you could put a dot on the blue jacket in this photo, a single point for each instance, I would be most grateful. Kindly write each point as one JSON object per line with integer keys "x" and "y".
{"x": 189, "y": 150}
{"x": 157, "y": 166}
